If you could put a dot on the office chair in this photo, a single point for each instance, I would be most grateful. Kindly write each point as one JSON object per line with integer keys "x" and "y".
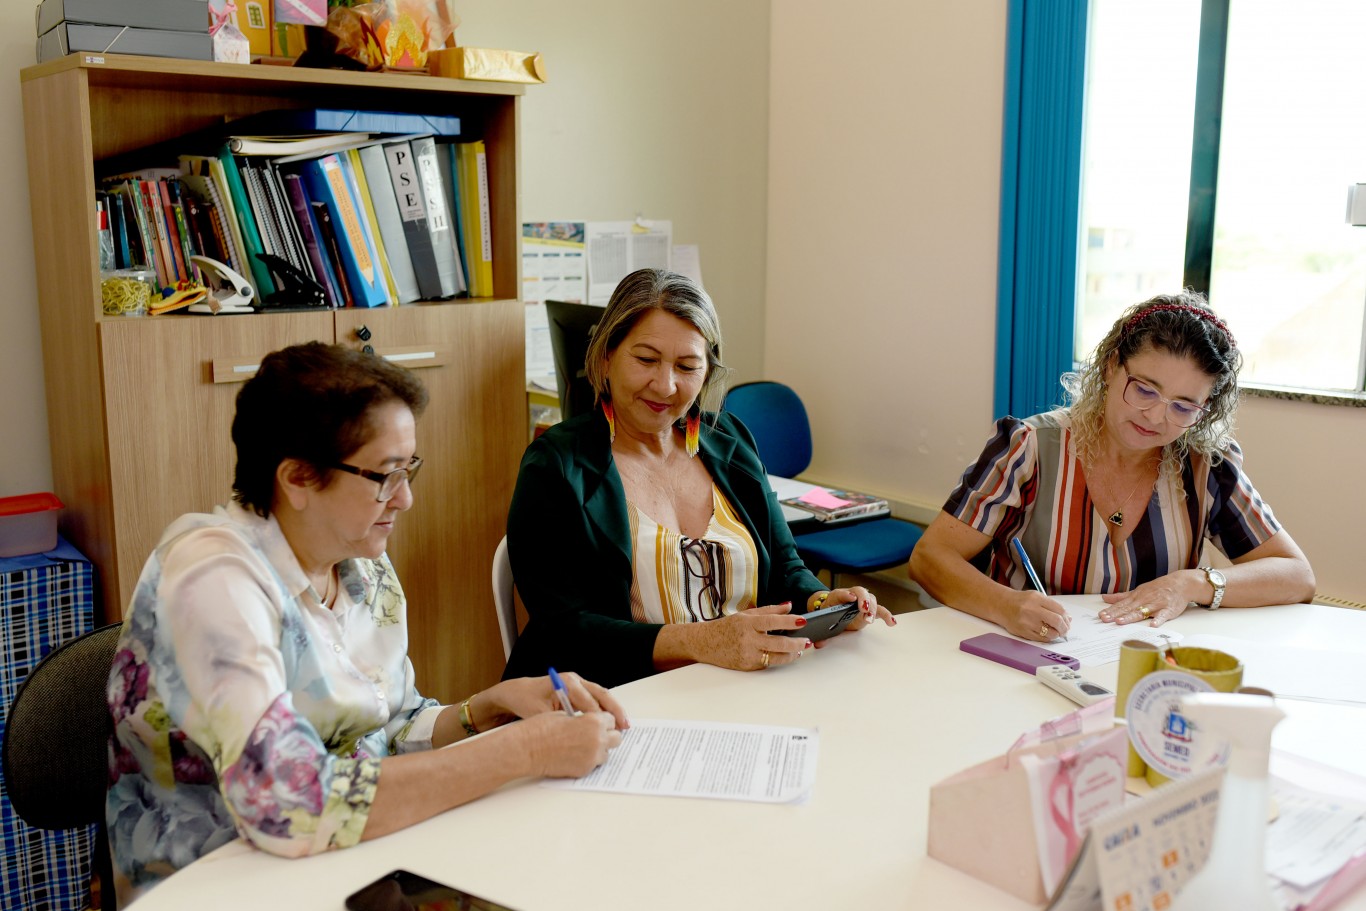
{"x": 503, "y": 601}
{"x": 775, "y": 415}
{"x": 571, "y": 328}
{"x": 56, "y": 752}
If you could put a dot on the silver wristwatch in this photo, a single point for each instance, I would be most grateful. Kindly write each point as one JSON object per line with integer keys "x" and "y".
{"x": 1216, "y": 579}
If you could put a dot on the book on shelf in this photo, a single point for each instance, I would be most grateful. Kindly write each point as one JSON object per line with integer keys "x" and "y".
{"x": 282, "y": 146}
{"x": 439, "y": 225}
{"x": 246, "y": 221}
{"x": 327, "y": 233}
{"x": 309, "y": 232}
{"x": 831, "y": 505}
{"x": 356, "y": 171}
{"x": 374, "y": 169}
{"x": 478, "y": 221}
{"x": 446, "y": 159}
{"x": 326, "y": 180}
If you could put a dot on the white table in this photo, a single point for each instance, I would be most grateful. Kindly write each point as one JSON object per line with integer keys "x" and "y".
{"x": 898, "y": 709}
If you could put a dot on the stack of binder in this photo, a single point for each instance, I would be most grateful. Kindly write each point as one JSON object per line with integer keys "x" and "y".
{"x": 152, "y": 28}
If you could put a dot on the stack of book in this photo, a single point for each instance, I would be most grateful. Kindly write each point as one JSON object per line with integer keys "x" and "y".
{"x": 152, "y": 28}
{"x": 829, "y": 505}
{"x": 373, "y": 216}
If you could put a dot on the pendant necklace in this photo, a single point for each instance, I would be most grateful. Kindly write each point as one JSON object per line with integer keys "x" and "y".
{"x": 1116, "y": 518}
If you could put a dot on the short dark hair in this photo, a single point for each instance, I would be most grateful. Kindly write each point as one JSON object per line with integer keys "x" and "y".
{"x": 311, "y": 402}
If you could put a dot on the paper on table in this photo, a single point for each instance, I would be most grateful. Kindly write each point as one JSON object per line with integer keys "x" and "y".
{"x": 789, "y": 489}
{"x": 705, "y": 759}
{"x": 1093, "y": 642}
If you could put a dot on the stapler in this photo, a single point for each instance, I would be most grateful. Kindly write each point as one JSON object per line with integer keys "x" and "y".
{"x": 294, "y": 289}
{"x": 228, "y": 291}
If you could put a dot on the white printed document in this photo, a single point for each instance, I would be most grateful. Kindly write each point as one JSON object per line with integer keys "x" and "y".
{"x": 705, "y": 759}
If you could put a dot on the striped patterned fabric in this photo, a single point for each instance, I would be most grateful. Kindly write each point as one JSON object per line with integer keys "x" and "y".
{"x": 677, "y": 579}
{"x": 1028, "y": 482}
{"x": 45, "y": 600}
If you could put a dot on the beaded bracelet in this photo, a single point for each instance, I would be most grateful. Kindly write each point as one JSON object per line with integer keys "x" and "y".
{"x": 465, "y": 721}
{"x": 820, "y": 601}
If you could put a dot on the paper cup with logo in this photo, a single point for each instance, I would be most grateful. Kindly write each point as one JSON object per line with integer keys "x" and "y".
{"x": 1159, "y": 733}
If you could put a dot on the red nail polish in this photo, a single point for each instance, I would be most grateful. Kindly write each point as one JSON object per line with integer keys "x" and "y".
{"x": 809, "y": 643}
{"x": 801, "y": 621}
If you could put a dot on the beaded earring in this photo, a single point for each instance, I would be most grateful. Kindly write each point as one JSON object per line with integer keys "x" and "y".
{"x": 692, "y": 429}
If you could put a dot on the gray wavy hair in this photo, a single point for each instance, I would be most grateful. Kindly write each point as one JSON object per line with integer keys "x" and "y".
{"x": 1179, "y": 324}
{"x": 655, "y": 289}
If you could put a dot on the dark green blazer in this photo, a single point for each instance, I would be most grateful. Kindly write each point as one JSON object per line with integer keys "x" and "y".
{"x": 570, "y": 545}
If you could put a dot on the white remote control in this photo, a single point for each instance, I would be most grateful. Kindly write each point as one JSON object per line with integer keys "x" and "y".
{"x": 1071, "y": 684}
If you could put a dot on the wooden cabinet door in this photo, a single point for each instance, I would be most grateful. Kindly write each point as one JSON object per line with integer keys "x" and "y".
{"x": 472, "y": 359}
{"x": 169, "y": 421}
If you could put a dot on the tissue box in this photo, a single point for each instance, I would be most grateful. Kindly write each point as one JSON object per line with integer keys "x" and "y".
{"x": 487, "y": 64}
{"x": 28, "y": 524}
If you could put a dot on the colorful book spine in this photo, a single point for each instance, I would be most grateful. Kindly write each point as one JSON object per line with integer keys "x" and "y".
{"x": 251, "y": 237}
{"x": 326, "y": 181}
{"x": 313, "y": 244}
{"x": 374, "y": 170}
{"x": 328, "y": 235}
{"x": 439, "y": 222}
{"x": 474, "y": 186}
{"x": 355, "y": 172}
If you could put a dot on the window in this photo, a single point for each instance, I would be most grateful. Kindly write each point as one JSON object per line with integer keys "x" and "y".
{"x": 1276, "y": 151}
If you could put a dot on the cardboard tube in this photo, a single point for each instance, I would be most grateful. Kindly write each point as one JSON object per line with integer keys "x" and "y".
{"x": 1137, "y": 659}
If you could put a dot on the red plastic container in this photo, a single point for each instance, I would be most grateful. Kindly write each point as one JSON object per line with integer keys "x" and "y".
{"x": 28, "y": 524}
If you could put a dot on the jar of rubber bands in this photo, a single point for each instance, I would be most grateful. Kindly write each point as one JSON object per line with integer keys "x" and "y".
{"x": 127, "y": 292}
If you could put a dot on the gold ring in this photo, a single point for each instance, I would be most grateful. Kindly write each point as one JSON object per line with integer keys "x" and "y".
{"x": 1144, "y": 611}
{"x": 1043, "y": 630}
{"x": 764, "y": 660}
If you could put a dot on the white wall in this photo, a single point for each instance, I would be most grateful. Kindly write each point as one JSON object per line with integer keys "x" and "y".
{"x": 24, "y": 463}
{"x": 884, "y": 169}
{"x": 884, "y": 165}
{"x": 651, "y": 108}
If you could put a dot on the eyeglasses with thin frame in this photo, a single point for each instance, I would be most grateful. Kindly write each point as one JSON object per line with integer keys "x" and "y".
{"x": 699, "y": 563}
{"x": 388, "y": 481}
{"x": 1143, "y": 396}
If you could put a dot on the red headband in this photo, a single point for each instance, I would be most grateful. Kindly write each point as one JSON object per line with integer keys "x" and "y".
{"x": 1203, "y": 314}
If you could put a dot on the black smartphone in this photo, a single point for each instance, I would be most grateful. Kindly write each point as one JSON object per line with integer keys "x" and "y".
{"x": 404, "y": 891}
{"x": 823, "y": 623}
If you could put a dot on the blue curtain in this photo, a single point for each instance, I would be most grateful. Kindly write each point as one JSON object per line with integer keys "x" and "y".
{"x": 1040, "y": 202}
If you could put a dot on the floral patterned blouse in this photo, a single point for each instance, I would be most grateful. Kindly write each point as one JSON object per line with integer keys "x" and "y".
{"x": 243, "y": 706}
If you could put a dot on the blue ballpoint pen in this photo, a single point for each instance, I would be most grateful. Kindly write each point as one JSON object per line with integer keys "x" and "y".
{"x": 561, "y": 693}
{"x": 1029, "y": 570}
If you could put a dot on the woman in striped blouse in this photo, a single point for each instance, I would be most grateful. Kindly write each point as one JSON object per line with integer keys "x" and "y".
{"x": 1118, "y": 493}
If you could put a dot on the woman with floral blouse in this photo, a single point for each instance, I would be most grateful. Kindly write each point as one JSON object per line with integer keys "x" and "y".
{"x": 261, "y": 687}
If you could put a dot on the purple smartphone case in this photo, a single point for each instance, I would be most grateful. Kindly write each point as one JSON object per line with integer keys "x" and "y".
{"x": 1023, "y": 656}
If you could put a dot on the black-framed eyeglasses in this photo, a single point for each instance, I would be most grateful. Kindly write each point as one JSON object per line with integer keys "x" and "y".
{"x": 1142, "y": 396}
{"x": 388, "y": 481}
{"x": 700, "y": 565}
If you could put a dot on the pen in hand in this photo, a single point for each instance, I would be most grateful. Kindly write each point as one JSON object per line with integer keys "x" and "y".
{"x": 561, "y": 693}
{"x": 1029, "y": 571}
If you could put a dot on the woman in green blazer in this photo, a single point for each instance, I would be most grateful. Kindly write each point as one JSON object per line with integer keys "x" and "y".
{"x": 644, "y": 536}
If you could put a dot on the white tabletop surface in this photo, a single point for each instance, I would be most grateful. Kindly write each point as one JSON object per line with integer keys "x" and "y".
{"x": 898, "y": 709}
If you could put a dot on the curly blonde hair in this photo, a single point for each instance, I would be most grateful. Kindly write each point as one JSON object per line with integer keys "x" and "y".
{"x": 1179, "y": 324}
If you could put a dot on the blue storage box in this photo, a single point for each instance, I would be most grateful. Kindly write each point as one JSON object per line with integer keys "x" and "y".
{"x": 45, "y": 600}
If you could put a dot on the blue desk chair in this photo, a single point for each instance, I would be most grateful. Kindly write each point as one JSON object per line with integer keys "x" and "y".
{"x": 777, "y": 418}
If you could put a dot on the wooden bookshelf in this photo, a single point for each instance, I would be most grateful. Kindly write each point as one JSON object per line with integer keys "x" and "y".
{"x": 139, "y": 419}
